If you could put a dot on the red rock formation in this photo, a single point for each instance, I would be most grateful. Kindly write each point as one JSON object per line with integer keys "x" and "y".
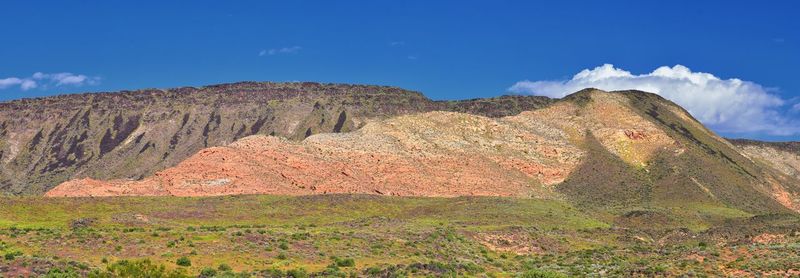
{"x": 421, "y": 155}
{"x": 430, "y": 154}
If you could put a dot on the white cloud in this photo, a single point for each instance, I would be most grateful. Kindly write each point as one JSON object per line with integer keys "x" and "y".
{"x": 8, "y": 82}
{"x": 796, "y": 107}
{"x": 282, "y": 50}
{"x": 726, "y": 105}
{"x": 66, "y": 78}
{"x": 397, "y": 43}
{"x": 46, "y": 80}
{"x": 28, "y": 84}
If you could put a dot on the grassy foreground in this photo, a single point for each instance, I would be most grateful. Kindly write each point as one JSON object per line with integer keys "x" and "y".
{"x": 372, "y": 236}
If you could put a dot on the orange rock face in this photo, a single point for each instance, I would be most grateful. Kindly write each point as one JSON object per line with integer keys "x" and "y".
{"x": 406, "y": 156}
{"x": 268, "y": 165}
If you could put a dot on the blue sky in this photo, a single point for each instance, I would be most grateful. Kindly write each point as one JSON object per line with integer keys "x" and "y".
{"x": 445, "y": 49}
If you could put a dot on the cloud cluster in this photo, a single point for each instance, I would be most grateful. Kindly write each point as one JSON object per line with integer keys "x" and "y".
{"x": 25, "y": 84}
{"x": 725, "y": 105}
{"x": 45, "y": 80}
{"x": 282, "y": 50}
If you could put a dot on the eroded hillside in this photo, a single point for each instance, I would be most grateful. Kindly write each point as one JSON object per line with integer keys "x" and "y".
{"x": 617, "y": 150}
{"x": 133, "y": 134}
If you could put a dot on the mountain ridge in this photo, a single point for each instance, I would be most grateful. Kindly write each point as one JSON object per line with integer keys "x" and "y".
{"x": 46, "y": 141}
{"x": 629, "y": 148}
{"x": 612, "y": 151}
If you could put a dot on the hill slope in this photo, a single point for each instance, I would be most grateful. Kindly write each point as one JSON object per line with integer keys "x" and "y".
{"x": 622, "y": 151}
{"x": 133, "y": 134}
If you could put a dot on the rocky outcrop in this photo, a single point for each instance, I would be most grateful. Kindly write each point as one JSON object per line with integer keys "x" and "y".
{"x": 783, "y": 156}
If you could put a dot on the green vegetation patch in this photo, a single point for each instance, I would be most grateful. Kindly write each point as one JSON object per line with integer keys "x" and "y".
{"x": 380, "y": 236}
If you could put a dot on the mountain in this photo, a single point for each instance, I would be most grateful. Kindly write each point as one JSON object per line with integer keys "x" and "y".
{"x": 133, "y": 134}
{"x": 631, "y": 153}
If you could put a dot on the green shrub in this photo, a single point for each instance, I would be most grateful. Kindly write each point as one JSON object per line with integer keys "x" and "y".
{"x": 208, "y": 272}
{"x": 346, "y": 262}
{"x": 135, "y": 269}
{"x": 224, "y": 267}
{"x": 61, "y": 273}
{"x": 300, "y": 236}
{"x": 11, "y": 255}
{"x": 272, "y": 273}
{"x": 472, "y": 268}
{"x": 183, "y": 261}
{"x": 297, "y": 273}
{"x": 538, "y": 273}
{"x": 374, "y": 271}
